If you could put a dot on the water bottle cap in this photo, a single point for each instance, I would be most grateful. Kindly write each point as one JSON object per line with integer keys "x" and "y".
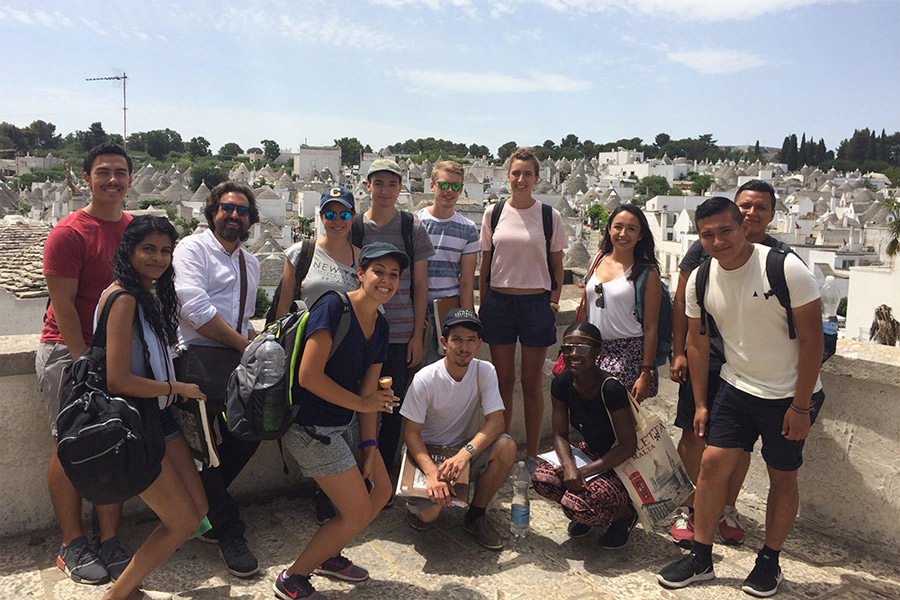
{"x": 829, "y": 279}
{"x": 270, "y": 336}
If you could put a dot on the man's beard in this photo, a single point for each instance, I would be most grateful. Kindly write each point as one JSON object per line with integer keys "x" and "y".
{"x": 232, "y": 234}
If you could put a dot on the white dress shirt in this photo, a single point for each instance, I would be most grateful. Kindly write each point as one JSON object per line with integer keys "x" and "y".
{"x": 208, "y": 283}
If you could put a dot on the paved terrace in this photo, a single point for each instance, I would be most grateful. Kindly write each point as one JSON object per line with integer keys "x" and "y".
{"x": 446, "y": 563}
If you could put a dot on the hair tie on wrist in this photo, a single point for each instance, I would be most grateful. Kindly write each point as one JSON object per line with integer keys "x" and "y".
{"x": 170, "y": 386}
{"x": 366, "y": 444}
{"x": 802, "y": 411}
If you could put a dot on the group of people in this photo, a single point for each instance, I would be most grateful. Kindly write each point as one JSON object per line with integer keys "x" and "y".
{"x": 384, "y": 270}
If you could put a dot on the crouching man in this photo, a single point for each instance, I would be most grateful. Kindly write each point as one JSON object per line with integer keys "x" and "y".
{"x": 440, "y": 409}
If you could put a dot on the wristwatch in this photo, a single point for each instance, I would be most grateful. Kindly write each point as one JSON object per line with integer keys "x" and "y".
{"x": 471, "y": 449}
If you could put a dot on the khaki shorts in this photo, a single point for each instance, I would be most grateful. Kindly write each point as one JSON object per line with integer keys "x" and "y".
{"x": 49, "y": 362}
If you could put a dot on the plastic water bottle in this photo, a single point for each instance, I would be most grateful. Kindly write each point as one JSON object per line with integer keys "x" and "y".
{"x": 831, "y": 297}
{"x": 519, "y": 515}
{"x": 271, "y": 369}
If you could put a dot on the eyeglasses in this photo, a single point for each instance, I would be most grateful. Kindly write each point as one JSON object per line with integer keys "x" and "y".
{"x": 599, "y": 302}
{"x": 229, "y": 208}
{"x": 330, "y": 215}
{"x": 445, "y": 185}
{"x": 579, "y": 349}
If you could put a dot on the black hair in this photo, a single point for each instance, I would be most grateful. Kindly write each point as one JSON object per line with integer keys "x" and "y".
{"x": 715, "y": 206}
{"x": 445, "y": 332}
{"x": 162, "y": 314}
{"x": 366, "y": 262}
{"x": 105, "y": 148}
{"x": 584, "y": 329}
{"x": 757, "y": 185}
{"x": 226, "y": 187}
{"x": 644, "y": 249}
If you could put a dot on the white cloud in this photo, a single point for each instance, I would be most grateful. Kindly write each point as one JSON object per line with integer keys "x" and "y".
{"x": 93, "y": 26}
{"x": 433, "y": 83}
{"x": 20, "y": 16}
{"x": 716, "y": 61}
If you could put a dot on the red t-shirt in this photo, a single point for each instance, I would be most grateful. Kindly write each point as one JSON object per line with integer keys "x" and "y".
{"x": 81, "y": 247}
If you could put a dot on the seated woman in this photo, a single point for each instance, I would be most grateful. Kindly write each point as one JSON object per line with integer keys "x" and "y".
{"x": 597, "y": 405}
{"x": 143, "y": 269}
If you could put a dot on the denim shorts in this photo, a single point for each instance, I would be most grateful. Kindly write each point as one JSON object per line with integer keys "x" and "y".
{"x": 170, "y": 427}
{"x": 739, "y": 418}
{"x": 506, "y": 318}
{"x": 318, "y": 459}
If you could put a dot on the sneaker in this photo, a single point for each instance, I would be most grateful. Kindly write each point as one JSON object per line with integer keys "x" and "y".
{"x": 764, "y": 579}
{"x": 730, "y": 529}
{"x": 114, "y": 556}
{"x": 577, "y": 530}
{"x": 324, "y": 508}
{"x": 484, "y": 533}
{"x": 342, "y": 568}
{"x": 208, "y": 537}
{"x": 531, "y": 463}
{"x": 618, "y": 532}
{"x": 293, "y": 587}
{"x": 79, "y": 561}
{"x": 239, "y": 561}
{"x": 683, "y": 529}
{"x": 416, "y": 523}
{"x": 685, "y": 572}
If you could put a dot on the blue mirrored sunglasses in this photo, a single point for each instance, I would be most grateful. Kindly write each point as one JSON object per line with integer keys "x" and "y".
{"x": 445, "y": 185}
{"x": 229, "y": 208}
{"x": 330, "y": 215}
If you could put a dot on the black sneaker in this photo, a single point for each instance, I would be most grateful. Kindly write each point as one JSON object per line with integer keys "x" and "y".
{"x": 685, "y": 572}
{"x": 324, "y": 508}
{"x": 764, "y": 579}
{"x": 79, "y": 561}
{"x": 239, "y": 561}
{"x": 577, "y": 530}
{"x": 114, "y": 556}
{"x": 293, "y": 587}
{"x": 618, "y": 532}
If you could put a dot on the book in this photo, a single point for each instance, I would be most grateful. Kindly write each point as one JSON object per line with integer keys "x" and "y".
{"x": 442, "y": 306}
{"x": 191, "y": 416}
{"x": 413, "y": 483}
{"x": 581, "y": 459}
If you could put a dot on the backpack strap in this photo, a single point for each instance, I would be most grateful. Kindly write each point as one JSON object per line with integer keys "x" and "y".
{"x": 775, "y": 274}
{"x": 640, "y": 289}
{"x": 301, "y": 267}
{"x": 356, "y": 231}
{"x": 406, "y": 230}
{"x": 701, "y": 283}
{"x": 495, "y": 219}
{"x": 547, "y": 219}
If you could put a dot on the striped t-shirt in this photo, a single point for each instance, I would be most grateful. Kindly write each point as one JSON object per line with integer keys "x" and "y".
{"x": 399, "y": 309}
{"x": 451, "y": 238}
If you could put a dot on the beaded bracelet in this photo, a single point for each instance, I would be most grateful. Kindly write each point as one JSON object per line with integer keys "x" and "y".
{"x": 367, "y": 443}
{"x": 802, "y": 411}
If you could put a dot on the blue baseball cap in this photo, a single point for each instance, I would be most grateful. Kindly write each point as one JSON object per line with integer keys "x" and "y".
{"x": 459, "y": 316}
{"x": 378, "y": 249}
{"x": 337, "y": 194}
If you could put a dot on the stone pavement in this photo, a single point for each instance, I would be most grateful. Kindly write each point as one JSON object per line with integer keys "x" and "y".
{"x": 446, "y": 563}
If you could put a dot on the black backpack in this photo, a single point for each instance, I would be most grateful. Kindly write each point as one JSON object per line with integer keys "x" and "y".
{"x": 110, "y": 447}
{"x": 244, "y": 405}
{"x": 358, "y": 232}
{"x": 546, "y": 220}
{"x": 304, "y": 260}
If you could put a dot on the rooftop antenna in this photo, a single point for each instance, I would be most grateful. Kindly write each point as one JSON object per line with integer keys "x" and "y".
{"x": 123, "y": 78}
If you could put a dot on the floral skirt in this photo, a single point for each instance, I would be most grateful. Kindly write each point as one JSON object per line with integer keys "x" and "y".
{"x": 596, "y": 505}
{"x": 623, "y": 358}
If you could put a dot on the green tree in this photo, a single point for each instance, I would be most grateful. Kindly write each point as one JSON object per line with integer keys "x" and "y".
{"x": 893, "y": 246}
{"x": 701, "y": 183}
{"x": 662, "y": 139}
{"x": 598, "y": 215}
{"x": 198, "y": 147}
{"x": 271, "y": 149}
{"x": 262, "y": 303}
{"x": 652, "y": 185}
{"x": 42, "y": 136}
{"x": 229, "y": 150}
{"x": 506, "y": 150}
{"x": 351, "y": 150}
{"x": 209, "y": 171}
{"x": 570, "y": 141}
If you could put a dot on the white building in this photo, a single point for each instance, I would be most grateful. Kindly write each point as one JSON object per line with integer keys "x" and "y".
{"x": 312, "y": 160}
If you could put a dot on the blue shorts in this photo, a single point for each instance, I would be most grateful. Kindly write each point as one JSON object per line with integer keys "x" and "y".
{"x": 737, "y": 419}
{"x": 170, "y": 427}
{"x": 506, "y": 318}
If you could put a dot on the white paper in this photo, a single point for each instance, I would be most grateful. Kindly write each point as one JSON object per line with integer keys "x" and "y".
{"x": 581, "y": 459}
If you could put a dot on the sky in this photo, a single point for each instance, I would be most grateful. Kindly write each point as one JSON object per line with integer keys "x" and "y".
{"x": 470, "y": 71}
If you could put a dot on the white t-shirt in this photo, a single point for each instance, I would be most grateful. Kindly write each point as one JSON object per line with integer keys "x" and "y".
{"x": 447, "y": 407}
{"x": 761, "y": 359}
{"x": 616, "y": 320}
{"x": 325, "y": 274}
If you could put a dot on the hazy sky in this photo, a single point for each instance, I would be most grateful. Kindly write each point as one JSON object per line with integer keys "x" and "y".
{"x": 310, "y": 71}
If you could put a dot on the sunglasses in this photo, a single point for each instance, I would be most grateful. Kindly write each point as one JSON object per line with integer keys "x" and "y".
{"x": 579, "y": 349}
{"x": 229, "y": 208}
{"x": 599, "y": 302}
{"x": 331, "y": 215}
{"x": 446, "y": 185}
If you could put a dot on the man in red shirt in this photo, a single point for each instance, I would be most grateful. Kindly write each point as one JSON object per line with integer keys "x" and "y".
{"x": 78, "y": 257}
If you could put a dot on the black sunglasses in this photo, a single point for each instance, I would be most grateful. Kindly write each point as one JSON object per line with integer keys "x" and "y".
{"x": 600, "y": 302}
{"x": 330, "y": 215}
{"x": 445, "y": 185}
{"x": 229, "y": 208}
{"x": 579, "y": 349}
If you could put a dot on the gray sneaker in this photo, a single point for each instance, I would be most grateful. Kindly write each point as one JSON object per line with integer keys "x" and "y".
{"x": 80, "y": 563}
{"x": 115, "y": 556}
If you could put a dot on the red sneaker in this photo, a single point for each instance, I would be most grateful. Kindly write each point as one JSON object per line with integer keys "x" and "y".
{"x": 683, "y": 529}
{"x": 730, "y": 529}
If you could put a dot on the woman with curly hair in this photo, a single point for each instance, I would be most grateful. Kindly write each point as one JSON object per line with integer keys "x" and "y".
{"x": 628, "y": 349}
{"x": 143, "y": 270}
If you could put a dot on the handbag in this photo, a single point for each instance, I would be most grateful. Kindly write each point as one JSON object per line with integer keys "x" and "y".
{"x": 110, "y": 447}
{"x": 655, "y": 478}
